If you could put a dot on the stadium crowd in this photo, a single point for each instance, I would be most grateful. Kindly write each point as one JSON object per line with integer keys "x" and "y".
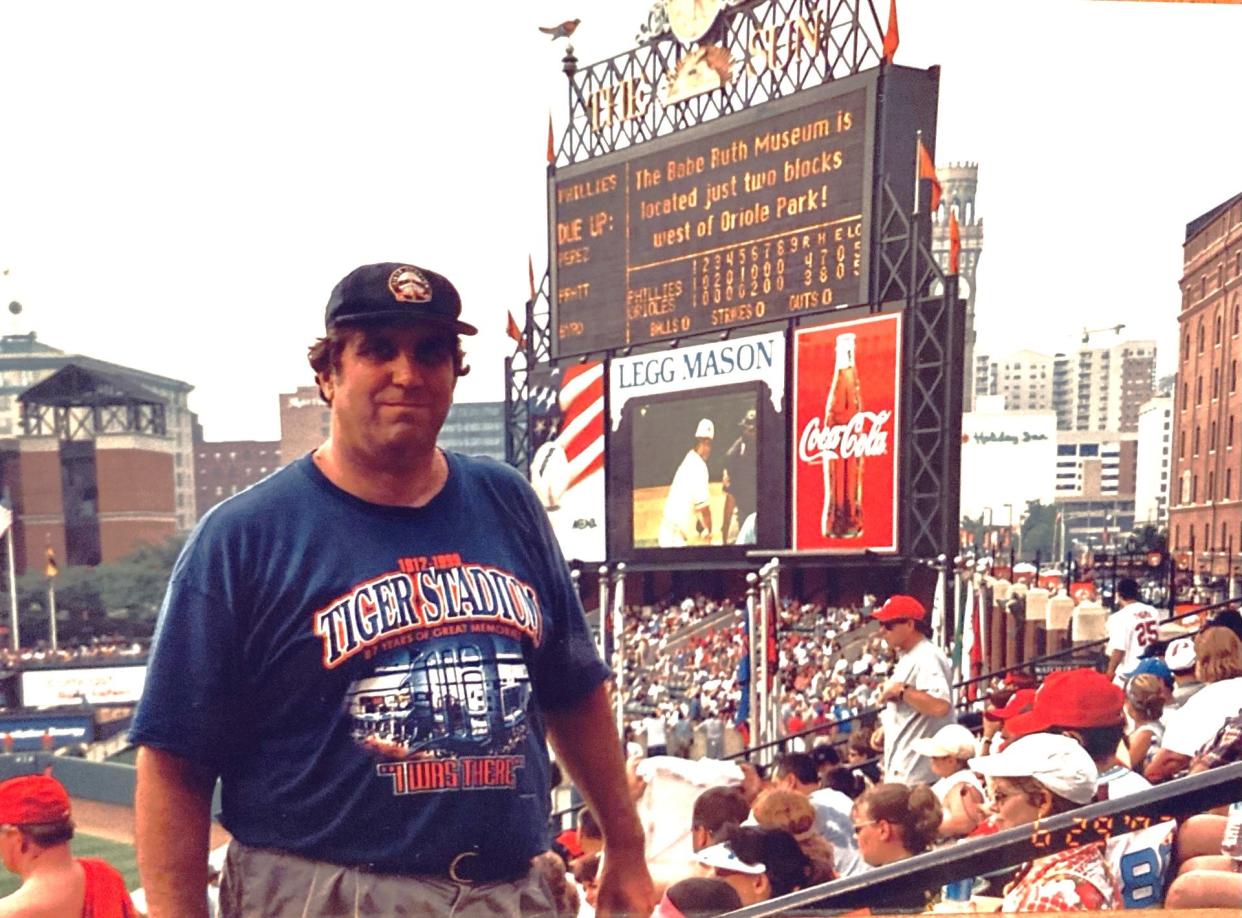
{"x": 722, "y": 834}
{"x": 828, "y": 669}
{"x": 98, "y": 650}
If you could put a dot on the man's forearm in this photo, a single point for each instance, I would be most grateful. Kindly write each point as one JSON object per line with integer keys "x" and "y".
{"x": 172, "y": 819}
{"x": 926, "y": 703}
{"x": 1114, "y": 660}
{"x": 585, "y": 740}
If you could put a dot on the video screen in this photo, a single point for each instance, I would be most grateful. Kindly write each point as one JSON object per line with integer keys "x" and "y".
{"x": 695, "y": 466}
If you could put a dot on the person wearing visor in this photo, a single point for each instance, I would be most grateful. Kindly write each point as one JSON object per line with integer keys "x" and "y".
{"x": 759, "y": 863}
{"x": 1035, "y": 777}
{"x": 371, "y": 649}
{"x": 917, "y": 698}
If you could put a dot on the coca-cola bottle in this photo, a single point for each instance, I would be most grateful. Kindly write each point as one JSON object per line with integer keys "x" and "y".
{"x": 842, "y": 516}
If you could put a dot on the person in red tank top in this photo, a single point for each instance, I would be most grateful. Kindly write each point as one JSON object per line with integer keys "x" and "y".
{"x": 35, "y": 831}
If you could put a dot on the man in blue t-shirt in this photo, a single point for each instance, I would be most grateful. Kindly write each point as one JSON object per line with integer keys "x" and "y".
{"x": 370, "y": 648}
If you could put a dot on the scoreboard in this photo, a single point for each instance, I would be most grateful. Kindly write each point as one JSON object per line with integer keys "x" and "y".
{"x": 757, "y": 216}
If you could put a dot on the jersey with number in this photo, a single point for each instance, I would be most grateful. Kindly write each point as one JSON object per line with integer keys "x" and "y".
{"x": 1141, "y": 861}
{"x": 1130, "y": 629}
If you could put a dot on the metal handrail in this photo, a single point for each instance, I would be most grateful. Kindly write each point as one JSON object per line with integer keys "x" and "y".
{"x": 974, "y": 857}
{"x": 874, "y": 712}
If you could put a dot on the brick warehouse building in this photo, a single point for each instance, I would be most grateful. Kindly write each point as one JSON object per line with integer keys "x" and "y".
{"x": 95, "y": 463}
{"x": 1206, "y": 485}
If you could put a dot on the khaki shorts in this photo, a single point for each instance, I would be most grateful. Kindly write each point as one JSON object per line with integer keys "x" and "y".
{"x": 260, "y": 883}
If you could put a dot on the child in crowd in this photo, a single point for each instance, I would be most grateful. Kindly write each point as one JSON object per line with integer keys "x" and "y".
{"x": 1145, "y": 699}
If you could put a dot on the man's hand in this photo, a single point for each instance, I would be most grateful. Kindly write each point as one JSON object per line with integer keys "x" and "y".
{"x": 625, "y": 886}
{"x": 587, "y": 746}
{"x": 892, "y": 691}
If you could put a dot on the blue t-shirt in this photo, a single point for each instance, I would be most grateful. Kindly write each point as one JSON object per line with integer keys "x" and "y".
{"x": 367, "y": 680}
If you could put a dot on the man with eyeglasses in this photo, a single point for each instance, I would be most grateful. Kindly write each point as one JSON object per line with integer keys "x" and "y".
{"x": 370, "y": 648}
{"x": 917, "y": 699}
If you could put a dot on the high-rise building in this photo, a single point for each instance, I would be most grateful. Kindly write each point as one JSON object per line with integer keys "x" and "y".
{"x": 958, "y": 183}
{"x": 1151, "y": 473}
{"x": 1095, "y": 485}
{"x": 1206, "y": 494}
{"x": 1095, "y": 389}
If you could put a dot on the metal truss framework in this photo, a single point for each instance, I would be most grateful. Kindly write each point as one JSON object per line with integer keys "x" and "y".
{"x": 85, "y": 422}
{"x": 903, "y": 269}
{"x": 907, "y": 272}
{"x": 849, "y": 38}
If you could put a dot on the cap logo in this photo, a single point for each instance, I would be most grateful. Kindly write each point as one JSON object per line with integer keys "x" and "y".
{"x": 408, "y": 285}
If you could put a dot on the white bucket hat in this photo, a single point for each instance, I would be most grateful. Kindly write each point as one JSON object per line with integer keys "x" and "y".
{"x": 951, "y": 739}
{"x": 1057, "y": 762}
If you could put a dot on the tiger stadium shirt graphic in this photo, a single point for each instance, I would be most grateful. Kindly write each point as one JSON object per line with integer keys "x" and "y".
{"x": 444, "y": 703}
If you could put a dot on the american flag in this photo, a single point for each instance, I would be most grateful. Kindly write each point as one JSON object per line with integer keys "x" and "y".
{"x": 582, "y": 407}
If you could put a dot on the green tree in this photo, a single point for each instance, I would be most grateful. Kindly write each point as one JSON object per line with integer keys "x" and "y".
{"x": 122, "y": 596}
{"x": 1038, "y": 528}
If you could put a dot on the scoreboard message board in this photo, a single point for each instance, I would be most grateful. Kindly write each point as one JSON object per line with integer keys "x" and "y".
{"x": 757, "y": 216}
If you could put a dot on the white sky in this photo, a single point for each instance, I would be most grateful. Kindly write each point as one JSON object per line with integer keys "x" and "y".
{"x": 182, "y": 184}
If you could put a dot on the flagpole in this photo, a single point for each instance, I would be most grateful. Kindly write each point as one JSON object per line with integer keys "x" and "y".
{"x": 604, "y": 622}
{"x": 918, "y": 172}
{"x": 17, "y": 642}
{"x": 51, "y": 607}
{"x": 618, "y": 638}
{"x": 752, "y": 628}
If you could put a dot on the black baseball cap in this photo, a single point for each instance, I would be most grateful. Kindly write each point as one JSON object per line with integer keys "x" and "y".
{"x": 393, "y": 292}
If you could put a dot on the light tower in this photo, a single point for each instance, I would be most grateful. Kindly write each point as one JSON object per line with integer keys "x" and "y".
{"x": 958, "y": 182}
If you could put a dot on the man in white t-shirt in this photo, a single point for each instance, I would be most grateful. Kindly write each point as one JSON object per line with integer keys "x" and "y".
{"x": 1130, "y": 629}
{"x": 917, "y": 699}
{"x": 687, "y": 514}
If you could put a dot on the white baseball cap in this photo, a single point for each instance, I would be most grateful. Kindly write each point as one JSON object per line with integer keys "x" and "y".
{"x": 722, "y": 857}
{"x": 1180, "y": 654}
{"x": 705, "y": 429}
{"x": 1057, "y": 762}
{"x": 951, "y": 739}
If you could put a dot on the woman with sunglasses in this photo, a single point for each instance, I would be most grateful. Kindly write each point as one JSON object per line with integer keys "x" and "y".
{"x": 1032, "y": 778}
{"x": 893, "y": 822}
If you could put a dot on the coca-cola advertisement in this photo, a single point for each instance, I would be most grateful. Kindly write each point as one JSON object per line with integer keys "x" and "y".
{"x": 846, "y": 379}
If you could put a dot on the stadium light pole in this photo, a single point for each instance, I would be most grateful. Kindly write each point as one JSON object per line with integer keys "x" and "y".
{"x": 13, "y": 620}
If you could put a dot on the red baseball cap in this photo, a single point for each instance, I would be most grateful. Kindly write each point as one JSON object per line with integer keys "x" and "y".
{"x": 568, "y": 840}
{"x": 1072, "y": 698}
{"x": 1019, "y": 703}
{"x": 33, "y": 799}
{"x": 900, "y": 608}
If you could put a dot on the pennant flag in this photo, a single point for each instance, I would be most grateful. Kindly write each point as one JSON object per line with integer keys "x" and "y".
{"x": 551, "y": 142}
{"x": 742, "y": 679}
{"x": 6, "y": 519}
{"x": 927, "y": 170}
{"x": 955, "y": 242}
{"x": 530, "y": 276}
{"x": 891, "y": 37}
{"x": 51, "y": 570}
{"x": 938, "y": 611}
{"x": 514, "y": 332}
{"x": 773, "y": 651}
